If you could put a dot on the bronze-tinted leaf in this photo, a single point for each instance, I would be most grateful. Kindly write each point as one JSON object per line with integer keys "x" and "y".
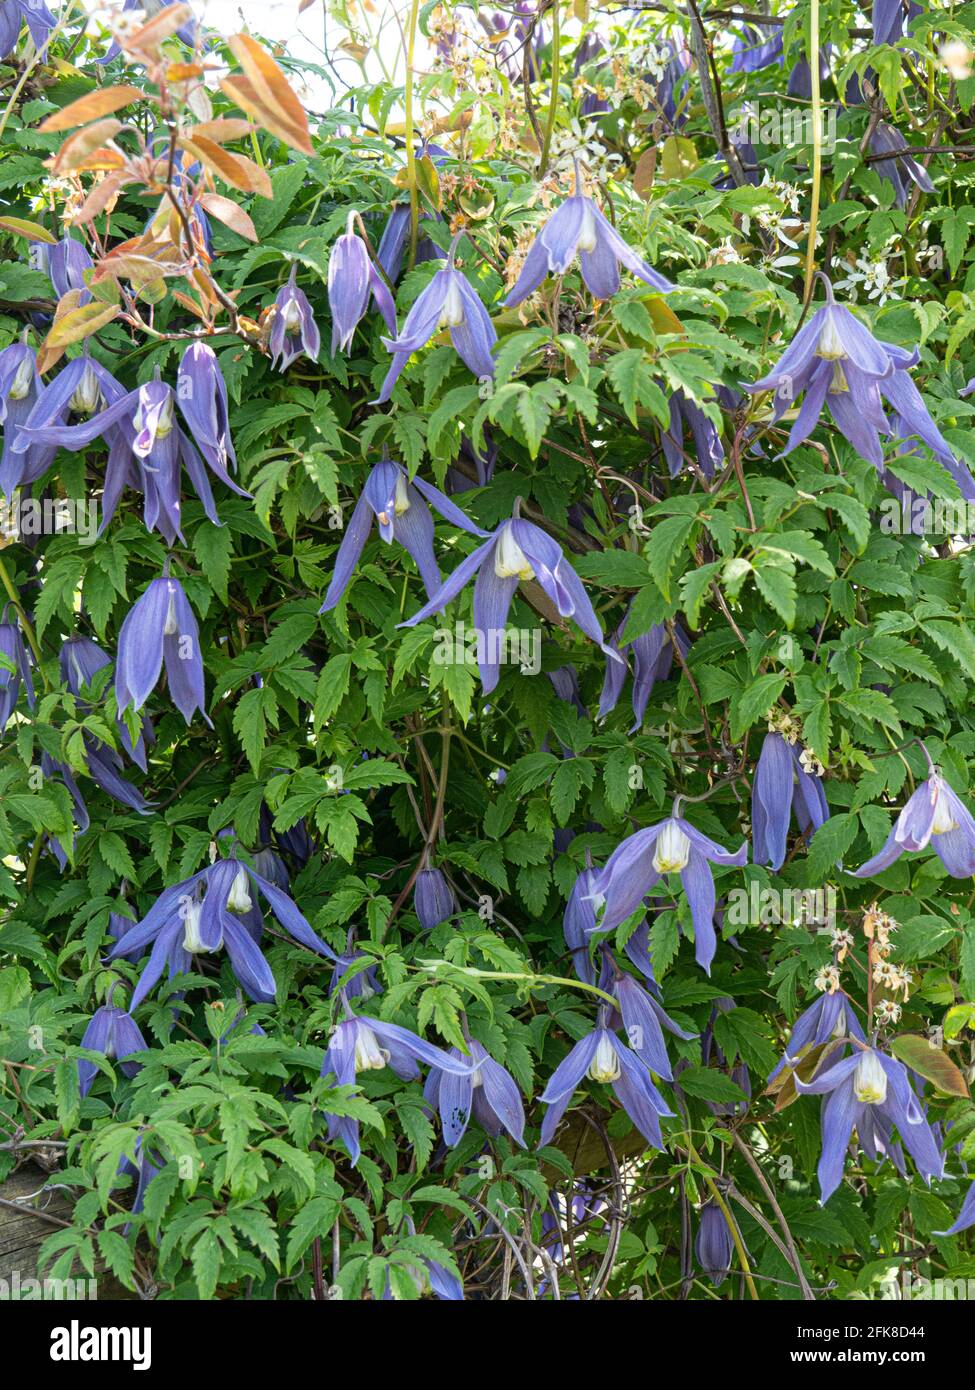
{"x": 79, "y": 146}
{"x": 265, "y": 92}
{"x": 235, "y": 169}
{"x": 92, "y": 107}
{"x": 230, "y": 214}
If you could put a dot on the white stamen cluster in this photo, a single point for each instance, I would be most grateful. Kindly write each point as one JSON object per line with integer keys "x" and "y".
{"x": 828, "y": 980}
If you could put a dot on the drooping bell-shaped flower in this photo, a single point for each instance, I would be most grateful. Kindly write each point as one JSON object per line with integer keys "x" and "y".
{"x": 448, "y": 301}
{"x": 830, "y": 1016}
{"x": 80, "y": 660}
{"x": 756, "y": 47}
{"x": 640, "y": 1014}
{"x": 115, "y": 1033}
{"x": 672, "y": 846}
{"x": 433, "y": 899}
{"x": 204, "y": 914}
{"x": 352, "y": 279}
{"x": 202, "y": 395}
{"x": 82, "y": 388}
{"x": 782, "y": 785}
{"x": 14, "y": 671}
{"x": 392, "y": 244}
{"x": 20, "y": 386}
{"x": 399, "y": 504}
{"x": 293, "y": 329}
{"x": 933, "y": 815}
{"x": 146, "y": 448}
{"x": 835, "y": 361}
{"x": 66, "y": 266}
{"x": 489, "y": 1093}
{"x": 368, "y": 1044}
{"x": 518, "y": 550}
{"x": 579, "y": 922}
{"x": 35, "y": 14}
{"x": 901, "y": 168}
{"x": 708, "y": 451}
{"x": 713, "y": 1247}
{"x": 871, "y": 1093}
{"x": 604, "y": 1059}
{"x": 966, "y": 1217}
{"x": 159, "y": 628}
{"x": 577, "y": 228}
{"x": 653, "y": 656}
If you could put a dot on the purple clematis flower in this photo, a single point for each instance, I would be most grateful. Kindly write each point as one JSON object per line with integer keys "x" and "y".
{"x": 80, "y": 660}
{"x": 714, "y": 1246}
{"x": 204, "y": 914}
{"x": 433, "y": 899}
{"x": 934, "y": 815}
{"x": 517, "y": 550}
{"x": 160, "y": 627}
{"x": 352, "y": 279}
{"x": 966, "y": 1217}
{"x": 146, "y": 448}
{"x": 115, "y": 1033}
{"x": 579, "y": 228}
{"x": 756, "y": 47}
{"x": 444, "y": 1286}
{"x": 781, "y": 786}
{"x": 20, "y": 386}
{"x": 871, "y": 1093}
{"x": 708, "y": 449}
{"x": 392, "y": 243}
{"x": 368, "y": 1044}
{"x": 579, "y": 922}
{"x": 835, "y": 361}
{"x": 653, "y": 657}
{"x": 35, "y": 14}
{"x": 293, "y": 329}
{"x": 364, "y": 984}
{"x": 490, "y": 1092}
{"x": 641, "y": 1016}
{"x": 83, "y": 388}
{"x": 672, "y": 846}
{"x": 449, "y": 301}
{"x": 890, "y": 21}
{"x": 202, "y": 395}
{"x": 832, "y": 1015}
{"x": 18, "y": 671}
{"x": 66, "y": 266}
{"x": 901, "y": 167}
{"x": 602, "y": 1057}
{"x": 399, "y": 504}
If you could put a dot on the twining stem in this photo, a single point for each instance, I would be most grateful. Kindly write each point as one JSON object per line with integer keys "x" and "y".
{"x": 729, "y": 1219}
{"x": 817, "y": 168}
{"x": 553, "y": 105}
{"x": 25, "y": 622}
{"x": 410, "y": 152}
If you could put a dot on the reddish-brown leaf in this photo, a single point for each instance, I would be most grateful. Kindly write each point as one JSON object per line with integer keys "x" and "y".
{"x": 92, "y": 107}
{"x": 235, "y": 169}
{"x": 228, "y": 212}
{"x": 79, "y": 146}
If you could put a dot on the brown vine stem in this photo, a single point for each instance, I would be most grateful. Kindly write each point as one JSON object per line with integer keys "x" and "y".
{"x": 766, "y": 1187}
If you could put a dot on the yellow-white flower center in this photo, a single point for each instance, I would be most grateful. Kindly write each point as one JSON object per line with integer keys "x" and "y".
{"x": 605, "y": 1065}
{"x": 452, "y": 313}
{"x": 171, "y": 626}
{"x": 830, "y": 345}
{"x": 672, "y": 850}
{"x": 587, "y": 232}
{"x": 369, "y": 1056}
{"x": 192, "y": 940}
{"x": 870, "y": 1080}
{"x": 239, "y": 899}
{"x": 22, "y": 380}
{"x": 86, "y": 394}
{"x": 510, "y": 561}
{"x": 943, "y": 818}
{"x": 292, "y": 315}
